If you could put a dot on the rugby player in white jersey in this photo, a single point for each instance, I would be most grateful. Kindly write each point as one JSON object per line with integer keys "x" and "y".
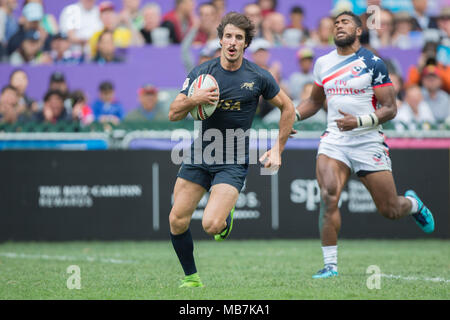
{"x": 360, "y": 97}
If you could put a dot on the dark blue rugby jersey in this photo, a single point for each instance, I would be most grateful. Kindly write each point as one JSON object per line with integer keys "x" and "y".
{"x": 239, "y": 96}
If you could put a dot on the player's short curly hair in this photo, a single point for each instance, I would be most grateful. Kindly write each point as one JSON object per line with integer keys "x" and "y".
{"x": 239, "y": 20}
{"x": 355, "y": 17}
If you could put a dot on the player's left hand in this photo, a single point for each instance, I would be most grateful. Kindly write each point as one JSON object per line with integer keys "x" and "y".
{"x": 347, "y": 123}
{"x": 271, "y": 159}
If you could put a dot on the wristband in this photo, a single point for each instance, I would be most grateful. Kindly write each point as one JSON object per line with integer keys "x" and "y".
{"x": 297, "y": 116}
{"x": 367, "y": 120}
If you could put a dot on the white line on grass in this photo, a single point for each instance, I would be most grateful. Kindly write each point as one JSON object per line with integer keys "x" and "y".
{"x": 437, "y": 279}
{"x": 14, "y": 255}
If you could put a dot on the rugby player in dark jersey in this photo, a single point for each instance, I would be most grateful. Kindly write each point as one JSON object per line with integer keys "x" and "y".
{"x": 241, "y": 83}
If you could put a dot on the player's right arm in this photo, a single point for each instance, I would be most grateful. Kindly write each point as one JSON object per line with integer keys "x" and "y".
{"x": 182, "y": 104}
{"x": 312, "y": 105}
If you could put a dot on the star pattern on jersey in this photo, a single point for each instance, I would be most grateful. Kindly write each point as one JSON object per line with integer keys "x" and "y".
{"x": 371, "y": 72}
{"x": 380, "y": 78}
{"x": 361, "y": 58}
{"x": 375, "y": 58}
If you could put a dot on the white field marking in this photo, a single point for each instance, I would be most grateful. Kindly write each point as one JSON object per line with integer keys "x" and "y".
{"x": 437, "y": 279}
{"x": 14, "y": 255}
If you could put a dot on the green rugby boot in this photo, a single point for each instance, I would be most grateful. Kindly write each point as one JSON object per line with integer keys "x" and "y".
{"x": 191, "y": 281}
{"x": 224, "y": 234}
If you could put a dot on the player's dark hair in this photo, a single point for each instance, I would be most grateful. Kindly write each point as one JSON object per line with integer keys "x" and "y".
{"x": 355, "y": 17}
{"x": 240, "y": 21}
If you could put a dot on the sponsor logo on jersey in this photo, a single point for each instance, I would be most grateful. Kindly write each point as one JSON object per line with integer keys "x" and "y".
{"x": 248, "y": 85}
{"x": 356, "y": 70}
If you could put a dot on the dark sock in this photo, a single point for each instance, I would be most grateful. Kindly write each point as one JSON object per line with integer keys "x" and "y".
{"x": 184, "y": 247}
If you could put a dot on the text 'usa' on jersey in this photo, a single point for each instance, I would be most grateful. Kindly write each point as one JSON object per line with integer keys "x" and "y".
{"x": 239, "y": 93}
{"x": 349, "y": 82}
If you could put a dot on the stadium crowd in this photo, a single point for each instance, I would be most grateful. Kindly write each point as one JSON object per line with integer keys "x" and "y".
{"x": 101, "y": 32}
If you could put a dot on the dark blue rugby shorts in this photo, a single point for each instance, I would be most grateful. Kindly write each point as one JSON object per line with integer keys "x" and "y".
{"x": 209, "y": 175}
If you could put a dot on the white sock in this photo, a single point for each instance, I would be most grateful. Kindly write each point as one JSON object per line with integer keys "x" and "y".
{"x": 330, "y": 255}
{"x": 414, "y": 205}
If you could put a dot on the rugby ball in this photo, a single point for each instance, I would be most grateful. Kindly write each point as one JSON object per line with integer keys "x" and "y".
{"x": 204, "y": 111}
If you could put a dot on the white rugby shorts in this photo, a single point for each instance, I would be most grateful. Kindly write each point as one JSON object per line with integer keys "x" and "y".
{"x": 362, "y": 153}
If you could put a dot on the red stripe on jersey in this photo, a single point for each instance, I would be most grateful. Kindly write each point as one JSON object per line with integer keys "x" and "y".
{"x": 383, "y": 85}
{"x": 340, "y": 72}
{"x": 318, "y": 84}
{"x": 374, "y": 102}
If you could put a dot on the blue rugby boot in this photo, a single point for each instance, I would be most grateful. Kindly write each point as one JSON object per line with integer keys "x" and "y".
{"x": 423, "y": 217}
{"x": 328, "y": 271}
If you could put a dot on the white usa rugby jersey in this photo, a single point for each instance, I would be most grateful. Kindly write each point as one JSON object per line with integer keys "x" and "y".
{"x": 349, "y": 83}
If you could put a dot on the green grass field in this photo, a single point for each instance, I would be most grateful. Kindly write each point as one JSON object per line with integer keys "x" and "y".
{"x": 235, "y": 270}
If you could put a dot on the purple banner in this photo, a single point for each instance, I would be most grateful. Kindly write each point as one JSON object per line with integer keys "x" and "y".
{"x": 162, "y": 67}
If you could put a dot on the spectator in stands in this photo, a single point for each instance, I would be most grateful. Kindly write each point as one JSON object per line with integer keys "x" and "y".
{"x": 397, "y": 83}
{"x": 404, "y": 37}
{"x": 296, "y": 33}
{"x": 294, "y": 85}
{"x": 147, "y": 109}
{"x": 9, "y": 99}
{"x": 19, "y": 80}
{"x": 443, "y": 22}
{"x": 209, "y": 51}
{"x": 421, "y": 20}
{"x": 53, "y": 110}
{"x": 267, "y": 6}
{"x": 58, "y": 82}
{"x": 273, "y": 26}
{"x": 179, "y": 20}
{"x": 323, "y": 36}
{"x": 30, "y": 50}
{"x": 106, "y": 108}
{"x": 130, "y": 15}
{"x": 81, "y": 112}
{"x": 61, "y": 51}
{"x": 253, "y": 12}
{"x": 220, "y": 7}
{"x": 207, "y": 24}
{"x": 122, "y": 35}
{"x": 106, "y": 49}
{"x": 321, "y": 115}
{"x": 428, "y": 57}
{"x": 48, "y": 21}
{"x": 152, "y": 20}
{"x": 414, "y": 109}
{"x": 8, "y": 22}
{"x": 382, "y": 37}
{"x": 437, "y": 99}
{"x": 32, "y": 16}
{"x": 80, "y": 21}
{"x": 260, "y": 54}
